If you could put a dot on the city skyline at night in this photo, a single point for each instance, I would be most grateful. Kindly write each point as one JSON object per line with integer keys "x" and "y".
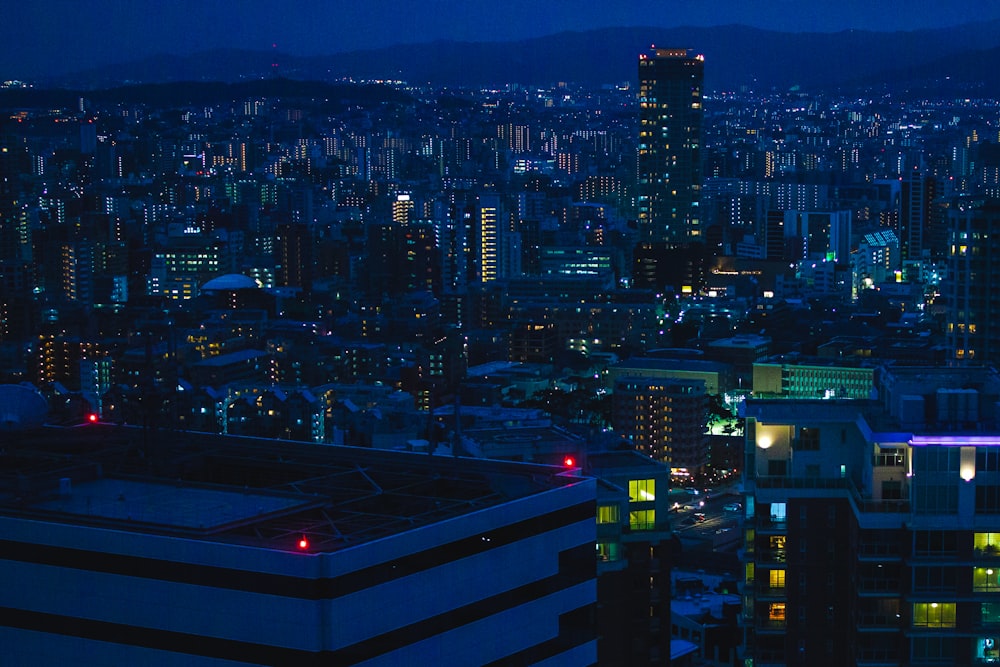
{"x": 569, "y": 334}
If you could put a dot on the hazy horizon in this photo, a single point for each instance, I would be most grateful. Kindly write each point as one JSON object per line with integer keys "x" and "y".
{"x": 63, "y": 36}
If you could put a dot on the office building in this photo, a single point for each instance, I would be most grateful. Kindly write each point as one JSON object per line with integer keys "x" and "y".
{"x": 208, "y": 551}
{"x": 717, "y": 378}
{"x": 670, "y": 142}
{"x": 799, "y": 376}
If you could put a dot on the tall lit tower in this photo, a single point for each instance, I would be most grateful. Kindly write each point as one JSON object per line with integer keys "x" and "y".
{"x": 670, "y": 128}
{"x": 972, "y": 288}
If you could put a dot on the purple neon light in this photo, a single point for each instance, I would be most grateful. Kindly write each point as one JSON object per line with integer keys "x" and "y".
{"x": 955, "y": 440}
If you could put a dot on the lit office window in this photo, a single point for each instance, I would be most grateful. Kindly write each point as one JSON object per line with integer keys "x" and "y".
{"x": 642, "y": 519}
{"x": 608, "y": 514}
{"x": 641, "y": 489}
{"x": 986, "y": 579}
{"x": 934, "y": 615}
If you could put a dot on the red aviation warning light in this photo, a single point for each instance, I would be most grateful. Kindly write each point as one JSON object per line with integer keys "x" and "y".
{"x": 92, "y": 418}
{"x": 569, "y": 462}
{"x": 303, "y": 543}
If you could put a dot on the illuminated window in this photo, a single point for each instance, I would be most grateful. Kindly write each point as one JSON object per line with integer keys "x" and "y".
{"x": 777, "y": 511}
{"x": 607, "y": 551}
{"x": 990, "y": 613}
{"x": 608, "y": 514}
{"x": 749, "y": 572}
{"x": 934, "y": 615}
{"x": 776, "y": 611}
{"x": 641, "y": 489}
{"x": 776, "y": 578}
{"x": 988, "y": 649}
{"x": 642, "y": 519}
{"x": 986, "y": 579}
{"x": 987, "y": 543}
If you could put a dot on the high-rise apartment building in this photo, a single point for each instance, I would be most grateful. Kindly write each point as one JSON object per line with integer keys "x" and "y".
{"x": 972, "y": 287}
{"x": 872, "y": 527}
{"x": 922, "y": 229}
{"x": 669, "y": 161}
{"x": 664, "y": 419}
{"x": 497, "y": 246}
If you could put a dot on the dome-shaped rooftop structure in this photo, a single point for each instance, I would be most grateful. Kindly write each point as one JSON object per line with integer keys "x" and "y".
{"x": 230, "y": 281}
{"x": 21, "y": 407}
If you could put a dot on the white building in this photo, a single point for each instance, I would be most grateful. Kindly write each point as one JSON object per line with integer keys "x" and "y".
{"x": 250, "y": 552}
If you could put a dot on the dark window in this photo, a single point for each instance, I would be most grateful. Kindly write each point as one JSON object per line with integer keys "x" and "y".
{"x": 929, "y": 542}
{"x": 987, "y": 460}
{"x": 934, "y": 578}
{"x": 808, "y": 440}
{"x": 892, "y": 490}
{"x": 987, "y": 499}
{"x": 935, "y": 498}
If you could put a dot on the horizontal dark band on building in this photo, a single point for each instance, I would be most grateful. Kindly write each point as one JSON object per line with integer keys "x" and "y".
{"x": 320, "y": 588}
{"x": 570, "y": 574}
{"x": 575, "y": 628}
{"x": 241, "y": 651}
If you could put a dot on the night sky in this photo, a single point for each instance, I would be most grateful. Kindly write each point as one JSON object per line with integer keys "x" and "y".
{"x": 56, "y": 36}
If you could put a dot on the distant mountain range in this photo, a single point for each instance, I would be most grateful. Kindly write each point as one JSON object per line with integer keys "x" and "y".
{"x": 961, "y": 59}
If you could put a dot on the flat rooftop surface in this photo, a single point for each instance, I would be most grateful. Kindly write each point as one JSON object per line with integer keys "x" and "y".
{"x": 254, "y": 491}
{"x": 170, "y": 505}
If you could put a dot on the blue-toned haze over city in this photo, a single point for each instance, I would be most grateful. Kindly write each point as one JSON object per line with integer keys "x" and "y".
{"x": 65, "y": 35}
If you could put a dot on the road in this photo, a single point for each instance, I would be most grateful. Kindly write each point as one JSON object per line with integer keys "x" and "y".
{"x": 716, "y": 519}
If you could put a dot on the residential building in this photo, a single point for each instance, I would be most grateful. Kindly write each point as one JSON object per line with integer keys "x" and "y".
{"x": 972, "y": 287}
{"x": 634, "y": 556}
{"x": 870, "y": 525}
{"x": 664, "y": 419}
{"x": 670, "y": 129}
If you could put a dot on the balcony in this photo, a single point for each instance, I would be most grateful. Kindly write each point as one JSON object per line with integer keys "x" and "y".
{"x": 770, "y": 556}
{"x": 872, "y": 621}
{"x": 769, "y": 659}
{"x": 833, "y": 484}
{"x": 878, "y": 586}
{"x": 770, "y": 524}
{"x": 767, "y": 625}
{"x": 883, "y": 506}
{"x": 879, "y": 552}
{"x": 765, "y": 592}
{"x": 785, "y": 482}
{"x": 876, "y": 658}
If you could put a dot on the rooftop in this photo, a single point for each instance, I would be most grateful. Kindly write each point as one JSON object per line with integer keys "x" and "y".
{"x": 656, "y": 364}
{"x": 230, "y": 281}
{"x": 257, "y": 492}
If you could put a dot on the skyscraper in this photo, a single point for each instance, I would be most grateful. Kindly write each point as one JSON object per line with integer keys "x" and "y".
{"x": 669, "y": 162}
{"x": 971, "y": 288}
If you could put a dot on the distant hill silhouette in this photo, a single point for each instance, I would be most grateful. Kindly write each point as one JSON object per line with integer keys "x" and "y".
{"x": 321, "y": 95}
{"x": 736, "y": 56}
